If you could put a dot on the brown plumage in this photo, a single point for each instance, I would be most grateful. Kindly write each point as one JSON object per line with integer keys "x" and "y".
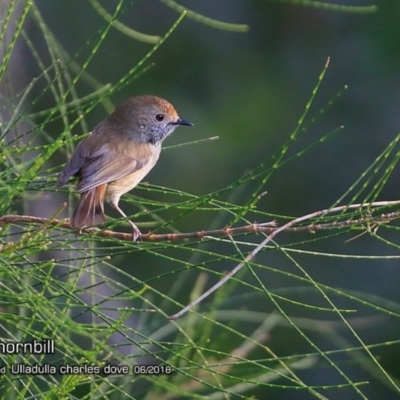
{"x": 118, "y": 154}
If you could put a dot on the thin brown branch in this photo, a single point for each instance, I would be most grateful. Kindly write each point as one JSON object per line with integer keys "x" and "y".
{"x": 266, "y": 227}
{"x": 285, "y": 227}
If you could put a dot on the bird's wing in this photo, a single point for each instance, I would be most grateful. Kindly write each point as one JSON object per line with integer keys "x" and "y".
{"x": 105, "y": 166}
{"x": 74, "y": 164}
{"x": 98, "y": 167}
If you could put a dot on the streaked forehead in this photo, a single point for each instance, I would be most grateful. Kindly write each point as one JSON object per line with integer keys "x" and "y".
{"x": 154, "y": 101}
{"x": 166, "y": 106}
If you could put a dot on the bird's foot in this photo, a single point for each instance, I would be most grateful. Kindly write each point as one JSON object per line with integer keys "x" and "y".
{"x": 136, "y": 234}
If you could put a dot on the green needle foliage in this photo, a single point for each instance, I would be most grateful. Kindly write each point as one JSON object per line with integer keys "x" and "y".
{"x": 91, "y": 295}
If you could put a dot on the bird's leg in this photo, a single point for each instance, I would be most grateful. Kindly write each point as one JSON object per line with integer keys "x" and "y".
{"x": 136, "y": 232}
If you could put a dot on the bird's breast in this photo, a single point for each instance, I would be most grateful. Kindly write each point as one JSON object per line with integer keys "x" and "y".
{"x": 127, "y": 183}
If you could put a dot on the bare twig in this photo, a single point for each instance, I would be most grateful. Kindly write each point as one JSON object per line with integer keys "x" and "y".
{"x": 266, "y": 227}
{"x": 269, "y": 238}
{"x": 269, "y": 228}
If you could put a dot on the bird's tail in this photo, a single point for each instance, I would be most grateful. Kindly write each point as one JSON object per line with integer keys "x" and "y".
{"x": 90, "y": 209}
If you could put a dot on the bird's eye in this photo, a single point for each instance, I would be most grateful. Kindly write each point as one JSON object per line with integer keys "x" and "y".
{"x": 159, "y": 117}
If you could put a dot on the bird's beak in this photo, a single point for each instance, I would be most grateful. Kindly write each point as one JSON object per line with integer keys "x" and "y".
{"x": 182, "y": 122}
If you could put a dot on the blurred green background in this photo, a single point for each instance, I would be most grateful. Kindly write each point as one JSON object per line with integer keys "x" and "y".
{"x": 250, "y": 89}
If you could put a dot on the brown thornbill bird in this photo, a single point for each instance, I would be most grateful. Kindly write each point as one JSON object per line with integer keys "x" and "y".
{"x": 118, "y": 154}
